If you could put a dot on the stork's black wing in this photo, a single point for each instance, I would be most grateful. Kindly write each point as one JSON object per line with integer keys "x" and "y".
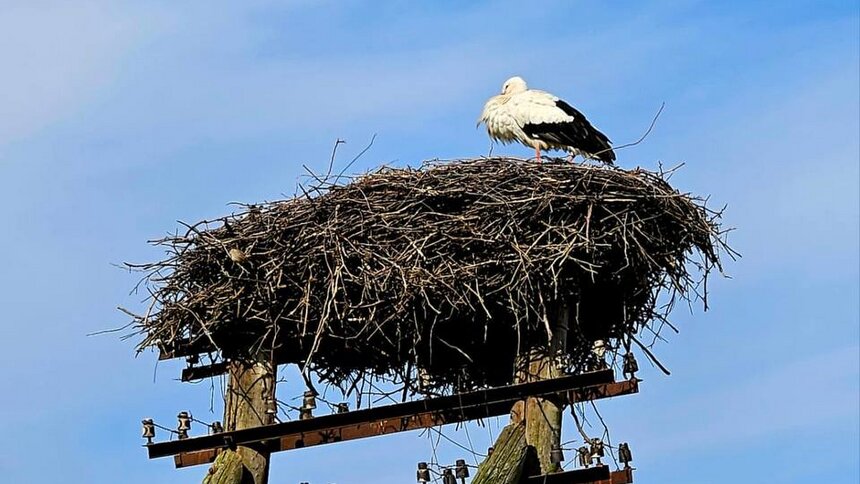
{"x": 578, "y": 133}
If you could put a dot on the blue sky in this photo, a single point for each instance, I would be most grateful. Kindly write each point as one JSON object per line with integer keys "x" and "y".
{"x": 119, "y": 118}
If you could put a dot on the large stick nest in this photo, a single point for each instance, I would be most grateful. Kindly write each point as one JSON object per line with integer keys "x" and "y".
{"x": 454, "y": 269}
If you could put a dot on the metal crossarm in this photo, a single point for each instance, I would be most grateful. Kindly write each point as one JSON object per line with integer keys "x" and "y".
{"x": 392, "y": 418}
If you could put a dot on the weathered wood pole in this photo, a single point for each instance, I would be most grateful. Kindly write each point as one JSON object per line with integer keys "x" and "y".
{"x": 227, "y": 469}
{"x": 543, "y": 416}
{"x": 512, "y": 458}
{"x": 250, "y": 393}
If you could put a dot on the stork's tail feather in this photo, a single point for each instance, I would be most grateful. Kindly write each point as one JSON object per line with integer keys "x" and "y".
{"x": 607, "y": 157}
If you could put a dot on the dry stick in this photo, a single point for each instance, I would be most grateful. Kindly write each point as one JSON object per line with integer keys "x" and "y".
{"x": 650, "y": 355}
{"x": 115, "y": 330}
{"x": 578, "y": 424}
{"x": 359, "y": 155}
{"x": 337, "y": 143}
{"x": 606, "y": 436}
{"x": 641, "y": 139}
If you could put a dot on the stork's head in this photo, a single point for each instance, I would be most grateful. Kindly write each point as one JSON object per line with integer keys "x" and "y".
{"x": 514, "y": 85}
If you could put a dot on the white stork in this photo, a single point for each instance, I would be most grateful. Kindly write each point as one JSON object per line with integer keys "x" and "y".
{"x": 542, "y": 121}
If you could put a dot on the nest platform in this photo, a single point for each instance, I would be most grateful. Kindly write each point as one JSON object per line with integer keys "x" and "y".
{"x": 452, "y": 269}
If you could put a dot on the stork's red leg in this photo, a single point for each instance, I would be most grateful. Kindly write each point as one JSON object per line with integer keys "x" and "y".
{"x": 537, "y": 154}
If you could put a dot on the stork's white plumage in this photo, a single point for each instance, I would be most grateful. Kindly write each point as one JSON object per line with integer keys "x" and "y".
{"x": 542, "y": 121}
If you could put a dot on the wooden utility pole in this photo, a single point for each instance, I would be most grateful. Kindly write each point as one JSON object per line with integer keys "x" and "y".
{"x": 250, "y": 398}
{"x": 542, "y": 415}
{"x": 512, "y": 458}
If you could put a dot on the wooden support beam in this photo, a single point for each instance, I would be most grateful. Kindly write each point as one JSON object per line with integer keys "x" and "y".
{"x": 372, "y": 422}
{"x": 592, "y": 475}
{"x": 185, "y": 347}
{"x": 589, "y": 475}
{"x": 200, "y": 372}
{"x": 579, "y": 395}
{"x": 599, "y": 392}
{"x": 428, "y": 412}
{"x": 624, "y": 476}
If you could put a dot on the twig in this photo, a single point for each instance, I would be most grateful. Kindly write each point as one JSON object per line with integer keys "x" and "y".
{"x": 641, "y": 138}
